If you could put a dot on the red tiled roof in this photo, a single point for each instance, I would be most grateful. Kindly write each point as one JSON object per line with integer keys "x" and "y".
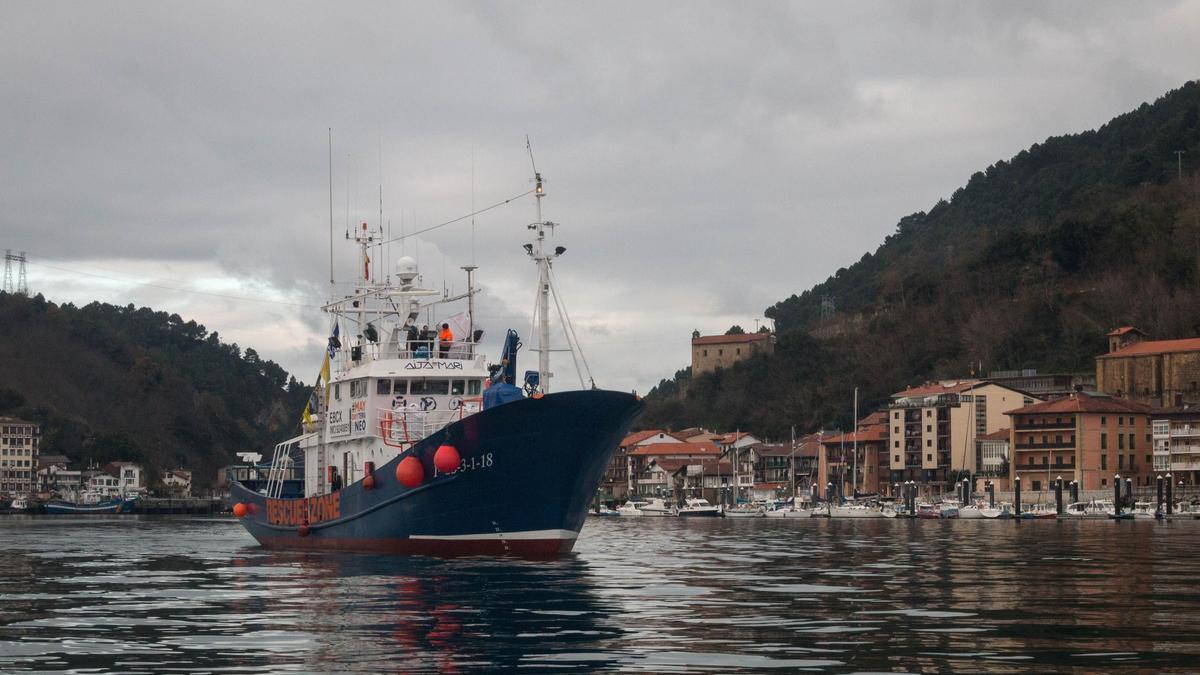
{"x": 1147, "y": 347}
{"x": 639, "y": 436}
{"x": 1001, "y": 435}
{"x": 1081, "y": 402}
{"x": 877, "y": 417}
{"x": 670, "y": 465}
{"x": 676, "y": 449}
{"x": 1123, "y": 330}
{"x": 875, "y": 433}
{"x": 730, "y": 339}
{"x": 934, "y": 388}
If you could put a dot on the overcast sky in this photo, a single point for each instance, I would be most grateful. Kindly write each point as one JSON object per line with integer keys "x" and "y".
{"x": 703, "y": 160}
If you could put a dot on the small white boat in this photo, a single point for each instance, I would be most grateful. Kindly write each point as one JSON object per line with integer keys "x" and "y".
{"x": 792, "y": 509}
{"x": 699, "y": 508}
{"x": 19, "y": 504}
{"x": 657, "y": 508}
{"x": 854, "y": 511}
{"x": 969, "y": 512}
{"x": 1095, "y": 509}
{"x": 998, "y": 511}
{"x": 1144, "y": 511}
{"x": 743, "y": 512}
{"x": 605, "y": 511}
{"x": 630, "y": 509}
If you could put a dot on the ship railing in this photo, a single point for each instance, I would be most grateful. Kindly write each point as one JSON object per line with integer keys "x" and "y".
{"x": 459, "y": 350}
{"x": 402, "y": 427}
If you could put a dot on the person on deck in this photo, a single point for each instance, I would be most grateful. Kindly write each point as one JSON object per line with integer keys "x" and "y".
{"x": 445, "y": 340}
{"x": 426, "y": 342}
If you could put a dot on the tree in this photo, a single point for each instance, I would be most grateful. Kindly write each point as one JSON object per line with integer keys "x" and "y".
{"x": 735, "y": 330}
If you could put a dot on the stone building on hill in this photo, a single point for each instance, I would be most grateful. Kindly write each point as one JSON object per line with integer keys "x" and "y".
{"x": 710, "y": 352}
{"x": 1163, "y": 373}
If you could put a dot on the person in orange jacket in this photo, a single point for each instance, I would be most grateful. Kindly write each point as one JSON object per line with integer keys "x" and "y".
{"x": 445, "y": 339}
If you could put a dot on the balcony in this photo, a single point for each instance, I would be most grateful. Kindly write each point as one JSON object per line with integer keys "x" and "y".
{"x": 1178, "y": 432}
{"x": 1069, "y": 424}
{"x": 1065, "y": 445}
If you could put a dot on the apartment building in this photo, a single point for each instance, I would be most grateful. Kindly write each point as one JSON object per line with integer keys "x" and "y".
{"x": 20, "y": 441}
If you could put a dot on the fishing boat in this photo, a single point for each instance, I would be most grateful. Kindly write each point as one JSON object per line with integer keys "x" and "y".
{"x": 698, "y": 508}
{"x": 414, "y": 444}
{"x": 91, "y": 502}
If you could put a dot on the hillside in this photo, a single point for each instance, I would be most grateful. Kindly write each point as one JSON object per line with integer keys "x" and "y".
{"x": 113, "y": 382}
{"x": 1026, "y": 266}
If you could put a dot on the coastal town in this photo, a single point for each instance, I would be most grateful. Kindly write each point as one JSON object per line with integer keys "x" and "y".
{"x": 1136, "y": 420}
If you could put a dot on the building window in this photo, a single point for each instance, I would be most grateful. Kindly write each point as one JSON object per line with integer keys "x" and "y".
{"x": 1131, "y": 442}
{"x": 1103, "y": 462}
{"x": 1037, "y": 485}
{"x": 1103, "y": 440}
{"x": 929, "y": 458}
{"x": 896, "y": 444}
{"x": 897, "y": 460}
{"x": 1103, "y": 482}
{"x": 1104, "y": 420}
{"x": 929, "y": 413}
{"x": 720, "y": 352}
{"x": 706, "y": 352}
{"x": 1120, "y": 441}
{"x": 896, "y": 416}
{"x": 928, "y": 443}
{"x": 1120, "y": 462}
{"x": 739, "y": 350}
{"x": 1120, "y": 421}
{"x": 929, "y": 428}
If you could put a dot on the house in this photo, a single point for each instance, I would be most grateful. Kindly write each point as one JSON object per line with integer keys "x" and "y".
{"x": 618, "y": 481}
{"x": 993, "y": 460}
{"x": 177, "y": 482}
{"x": 129, "y": 476}
{"x": 658, "y": 479}
{"x": 706, "y": 479}
{"x": 934, "y": 428}
{"x": 868, "y": 471}
{"x": 1089, "y": 438}
{"x": 641, "y": 457}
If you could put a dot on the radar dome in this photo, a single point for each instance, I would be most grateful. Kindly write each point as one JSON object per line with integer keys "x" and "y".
{"x": 406, "y": 269}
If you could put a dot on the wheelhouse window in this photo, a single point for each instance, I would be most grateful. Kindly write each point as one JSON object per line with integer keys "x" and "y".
{"x": 457, "y": 387}
{"x": 429, "y": 387}
{"x": 400, "y": 387}
{"x": 358, "y": 388}
{"x": 383, "y": 387}
{"x": 474, "y": 387}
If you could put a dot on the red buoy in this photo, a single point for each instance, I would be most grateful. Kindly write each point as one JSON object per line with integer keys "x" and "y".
{"x": 240, "y": 510}
{"x": 409, "y": 472}
{"x": 369, "y": 482}
{"x": 304, "y": 530}
{"x": 446, "y": 459}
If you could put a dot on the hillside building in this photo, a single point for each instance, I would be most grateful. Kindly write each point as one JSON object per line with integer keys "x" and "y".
{"x": 934, "y": 429}
{"x": 870, "y": 474}
{"x": 20, "y": 442}
{"x": 710, "y": 352}
{"x": 1162, "y": 373}
{"x": 1089, "y": 438}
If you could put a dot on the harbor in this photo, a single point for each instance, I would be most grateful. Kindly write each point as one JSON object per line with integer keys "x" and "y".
{"x": 656, "y": 595}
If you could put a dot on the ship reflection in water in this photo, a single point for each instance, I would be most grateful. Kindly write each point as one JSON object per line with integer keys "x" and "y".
{"x": 151, "y": 595}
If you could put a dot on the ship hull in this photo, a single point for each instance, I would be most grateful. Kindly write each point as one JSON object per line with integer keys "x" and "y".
{"x": 106, "y": 507}
{"x": 529, "y": 471}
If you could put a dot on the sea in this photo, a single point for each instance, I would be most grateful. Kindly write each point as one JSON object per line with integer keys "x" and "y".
{"x": 140, "y": 594}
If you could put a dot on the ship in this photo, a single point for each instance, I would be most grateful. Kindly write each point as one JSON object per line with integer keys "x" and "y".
{"x": 93, "y": 503}
{"x": 415, "y": 444}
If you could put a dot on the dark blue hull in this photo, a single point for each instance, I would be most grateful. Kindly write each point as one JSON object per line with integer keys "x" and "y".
{"x": 114, "y": 505}
{"x": 529, "y": 473}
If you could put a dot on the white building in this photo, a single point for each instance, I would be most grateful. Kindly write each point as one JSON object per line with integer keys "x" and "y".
{"x": 19, "y": 443}
{"x": 178, "y": 481}
{"x": 129, "y": 476}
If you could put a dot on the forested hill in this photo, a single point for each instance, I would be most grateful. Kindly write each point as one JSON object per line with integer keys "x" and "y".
{"x": 1026, "y": 266}
{"x": 110, "y": 383}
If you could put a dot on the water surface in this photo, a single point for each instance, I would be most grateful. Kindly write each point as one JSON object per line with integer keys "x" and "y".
{"x": 134, "y": 595}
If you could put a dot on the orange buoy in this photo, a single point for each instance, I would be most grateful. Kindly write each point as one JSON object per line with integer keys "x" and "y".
{"x": 446, "y": 459}
{"x": 369, "y": 482}
{"x": 409, "y": 472}
{"x": 304, "y": 531}
{"x": 240, "y": 510}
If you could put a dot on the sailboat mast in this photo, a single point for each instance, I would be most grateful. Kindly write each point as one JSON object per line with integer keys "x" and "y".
{"x": 854, "y": 475}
